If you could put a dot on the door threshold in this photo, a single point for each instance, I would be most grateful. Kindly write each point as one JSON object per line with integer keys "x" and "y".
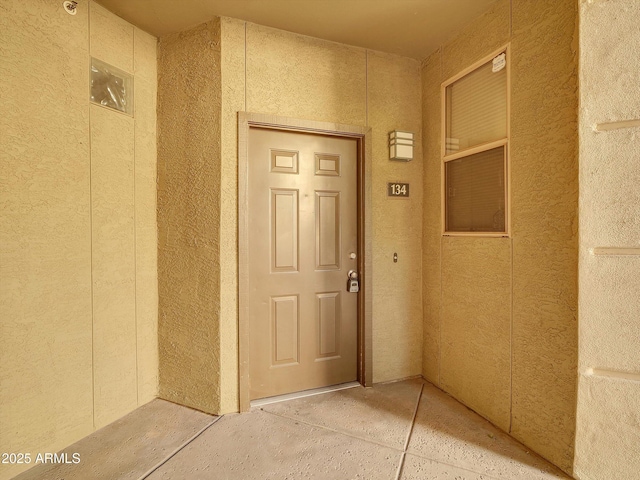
{"x": 305, "y": 393}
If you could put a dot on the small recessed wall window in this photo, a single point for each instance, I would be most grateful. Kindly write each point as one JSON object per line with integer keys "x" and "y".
{"x": 111, "y": 87}
{"x": 475, "y": 149}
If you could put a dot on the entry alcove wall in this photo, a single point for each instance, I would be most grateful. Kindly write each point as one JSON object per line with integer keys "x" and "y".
{"x": 500, "y": 325}
{"x": 236, "y": 66}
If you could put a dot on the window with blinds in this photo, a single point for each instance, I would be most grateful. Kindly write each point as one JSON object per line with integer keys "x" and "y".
{"x": 475, "y": 150}
{"x": 475, "y": 192}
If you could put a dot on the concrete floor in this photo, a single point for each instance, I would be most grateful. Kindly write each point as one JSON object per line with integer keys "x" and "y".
{"x": 372, "y": 433}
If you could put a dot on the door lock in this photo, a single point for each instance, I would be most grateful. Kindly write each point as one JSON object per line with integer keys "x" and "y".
{"x": 353, "y": 284}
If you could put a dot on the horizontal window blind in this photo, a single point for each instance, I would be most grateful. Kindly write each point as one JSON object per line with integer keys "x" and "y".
{"x": 476, "y": 109}
{"x": 475, "y": 192}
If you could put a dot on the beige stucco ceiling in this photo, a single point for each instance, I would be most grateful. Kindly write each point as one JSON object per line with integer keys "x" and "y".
{"x": 413, "y": 28}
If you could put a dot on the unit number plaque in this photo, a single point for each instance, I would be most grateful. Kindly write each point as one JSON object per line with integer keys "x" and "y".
{"x": 398, "y": 189}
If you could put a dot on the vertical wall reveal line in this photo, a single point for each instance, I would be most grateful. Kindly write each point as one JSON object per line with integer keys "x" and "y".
{"x": 440, "y": 314}
{"x": 135, "y": 222}
{"x": 93, "y": 364}
{"x": 441, "y": 52}
{"x": 245, "y": 66}
{"x": 366, "y": 87}
{"x": 511, "y": 345}
{"x": 510, "y": 19}
{"x": 510, "y": 193}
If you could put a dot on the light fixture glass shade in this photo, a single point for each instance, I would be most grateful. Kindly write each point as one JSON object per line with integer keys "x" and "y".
{"x": 401, "y": 145}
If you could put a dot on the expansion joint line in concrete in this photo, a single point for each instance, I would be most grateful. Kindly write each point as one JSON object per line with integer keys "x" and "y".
{"x": 177, "y": 450}
{"x": 408, "y": 439}
{"x": 324, "y": 427}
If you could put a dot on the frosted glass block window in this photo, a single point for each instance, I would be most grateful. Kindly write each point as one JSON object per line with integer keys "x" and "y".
{"x": 476, "y": 108}
{"x": 111, "y": 87}
{"x": 475, "y": 149}
{"x": 475, "y": 191}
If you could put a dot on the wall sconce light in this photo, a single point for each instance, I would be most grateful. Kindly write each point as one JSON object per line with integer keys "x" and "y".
{"x": 401, "y": 146}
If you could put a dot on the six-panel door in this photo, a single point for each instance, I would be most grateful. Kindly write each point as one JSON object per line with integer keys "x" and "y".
{"x": 303, "y": 242}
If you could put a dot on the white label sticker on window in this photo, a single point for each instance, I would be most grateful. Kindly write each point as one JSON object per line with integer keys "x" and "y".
{"x": 499, "y": 62}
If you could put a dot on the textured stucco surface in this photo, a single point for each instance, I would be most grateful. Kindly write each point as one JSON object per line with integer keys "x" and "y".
{"x": 475, "y": 331}
{"x": 394, "y": 94}
{"x": 431, "y": 219}
{"x": 111, "y": 38}
{"x": 533, "y": 315}
{"x": 146, "y": 226}
{"x": 270, "y": 71}
{"x": 232, "y": 61}
{"x": 608, "y": 429}
{"x": 124, "y": 239}
{"x": 45, "y": 233}
{"x": 609, "y": 336}
{"x": 68, "y": 263}
{"x": 113, "y": 264}
{"x": 189, "y": 216}
{"x": 608, "y": 424}
{"x": 302, "y": 77}
{"x": 483, "y": 36}
{"x": 544, "y": 186}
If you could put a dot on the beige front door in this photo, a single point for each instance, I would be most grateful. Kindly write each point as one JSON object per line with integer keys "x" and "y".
{"x": 302, "y": 244}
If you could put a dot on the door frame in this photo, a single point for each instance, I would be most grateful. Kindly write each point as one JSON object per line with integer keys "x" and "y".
{"x": 363, "y": 136}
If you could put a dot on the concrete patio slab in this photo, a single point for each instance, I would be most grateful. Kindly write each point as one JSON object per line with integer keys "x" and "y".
{"x": 128, "y": 447}
{"x": 349, "y": 434}
{"x": 417, "y": 468}
{"x": 382, "y": 414}
{"x": 448, "y": 432}
{"x": 260, "y": 445}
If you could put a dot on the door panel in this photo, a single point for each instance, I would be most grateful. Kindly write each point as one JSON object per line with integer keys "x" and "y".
{"x": 284, "y": 230}
{"x": 284, "y": 330}
{"x": 302, "y": 230}
{"x": 327, "y": 230}
{"x": 328, "y": 315}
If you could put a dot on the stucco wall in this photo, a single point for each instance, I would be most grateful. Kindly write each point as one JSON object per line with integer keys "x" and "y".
{"x": 189, "y": 102}
{"x": 544, "y": 186}
{"x": 608, "y": 424}
{"x": 233, "y": 91}
{"x": 393, "y": 103}
{"x": 78, "y": 296}
{"x": 303, "y": 77}
{"x": 263, "y": 70}
{"x": 500, "y": 326}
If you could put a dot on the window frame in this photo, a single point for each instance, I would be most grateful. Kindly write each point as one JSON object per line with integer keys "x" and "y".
{"x": 503, "y": 142}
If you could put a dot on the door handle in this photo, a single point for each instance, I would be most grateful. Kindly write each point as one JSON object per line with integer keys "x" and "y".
{"x": 353, "y": 284}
